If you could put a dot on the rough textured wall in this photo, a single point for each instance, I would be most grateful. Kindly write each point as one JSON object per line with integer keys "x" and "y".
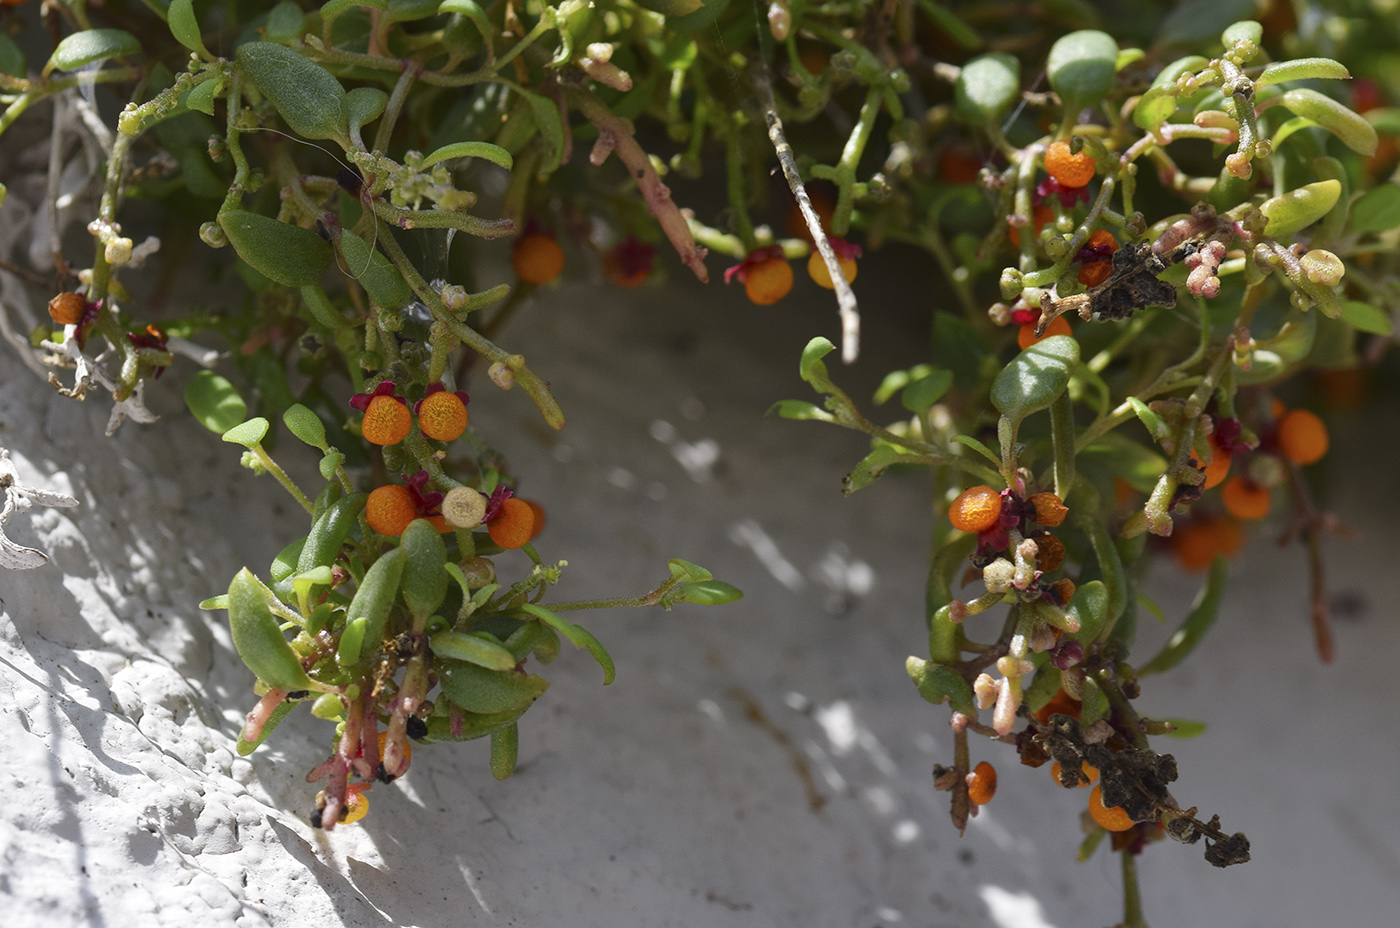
{"x": 762, "y": 764}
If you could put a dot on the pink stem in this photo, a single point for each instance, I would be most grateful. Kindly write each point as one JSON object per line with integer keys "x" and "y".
{"x": 252, "y": 728}
{"x": 656, "y": 194}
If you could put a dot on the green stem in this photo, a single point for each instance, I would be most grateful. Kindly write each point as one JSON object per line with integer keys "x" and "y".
{"x": 282, "y": 478}
{"x": 850, "y": 158}
{"x": 738, "y": 206}
{"x": 1132, "y": 897}
{"x": 390, "y": 117}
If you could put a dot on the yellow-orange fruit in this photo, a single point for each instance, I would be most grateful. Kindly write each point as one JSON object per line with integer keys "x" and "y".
{"x": 768, "y": 281}
{"x": 1060, "y": 704}
{"x": 1026, "y": 336}
{"x": 513, "y": 524}
{"x": 356, "y": 804}
{"x": 1245, "y": 500}
{"x": 1111, "y": 818}
{"x": 538, "y": 511}
{"x": 389, "y": 509}
{"x": 1302, "y": 437}
{"x": 984, "y": 784}
{"x": 386, "y": 421}
{"x": 537, "y": 259}
{"x": 1040, "y": 215}
{"x": 442, "y": 416}
{"x": 1069, "y": 169}
{"x": 1096, "y": 272}
{"x": 976, "y": 509}
{"x": 816, "y": 269}
{"x": 1197, "y": 543}
{"x": 1219, "y": 466}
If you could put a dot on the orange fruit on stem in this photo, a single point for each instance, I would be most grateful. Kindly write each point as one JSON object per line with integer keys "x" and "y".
{"x": 1302, "y": 436}
{"x": 442, "y": 416}
{"x": 1197, "y": 543}
{"x": 816, "y": 269}
{"x": 513, "y": 524}
{"x": 389, "y": 509}
{"x": 67, "y": 308}
{"x": 976, "y": 509}
{"x": 984, "y": 784}
{"x": 1111, "y": 818}
{"x": 1069, "y": 169}
{"x": 768, "y": 281}
{"x": 387, "y": 421}
{"x": 1026, "y": 336}
{"x": 1245, "y": 499}
{"x": 1088, "y": 770}
{"x": 1218, "y": 467}
{"x": 537, "y": 258}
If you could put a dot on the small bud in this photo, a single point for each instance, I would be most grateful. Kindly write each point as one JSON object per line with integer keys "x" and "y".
{"x": 1323, "y": 267}
{"x": 957, "y": 612}
{"x": 454, "y": 296}
{"x": 501, "y": 375}
{"x": 986, "y": 690}
{"x": 118, "y": 251}
{"x": 1000, "y": 314}
{"x": 998, "y": 575}
{"x": 479, "y": 572}
{"x": 1004, "y": 715}
{"x": 1238, "y": 166}
{"x": 1012, "y": 282}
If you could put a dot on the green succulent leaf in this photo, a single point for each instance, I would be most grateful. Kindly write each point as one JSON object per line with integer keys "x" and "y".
{"x": 285, "y": 23}
{"x": 369, "y": 611}
{"x": 1036, "y": 377}
{"x": 91, "y": 46}
{"x": 287, "y": 254}
{"x": 248, "y": 434}
{"x": 329, "y": 532}
{"x": 1367, "y": 318}
{"x": 920, "y": 395}
{"x": 1246, "y": 30}
{"x": 505, "y": 745}
{"x": 477, "y": 689}
{"x": 709, "y": 593}
{"x": 939, "y": 683}
{"x": 184, "y": 26}
{"x": 215, "y": 402}
{"x": 1081, "y": 67}
{"x": 1299, "y": 208}
{"x": 1378, "y": 209}
{"x": 308, "y": 96}
{"x": 381, "y": 280}
{"x": 800, "y": 410}
{"x": 580, "y": 637}
{"x": 686, "y": 572}
{"x": 813, "y": 368}
{"x": 424, "y": 579}
{"x": 1352, "y": 128}
{"x": 1301, "y": 69}
{"x": 257, "y": 635}
{"x": 474, "y": 649}
{"x": 1160, "y": 101}
{"x": 873, "y": 466}
{"x": 493, "y": 153}
{"x": 364, "y": 105}
{"x": 305, "y": 425}
{"x": 986, "y": 88}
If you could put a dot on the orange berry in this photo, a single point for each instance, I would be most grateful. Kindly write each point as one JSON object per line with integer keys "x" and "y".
{"x": 1069, "y": 169}
{"x": 1040, "y": 215}
{"x": 1089, "y": 771}
{"x": 386, "y": 421}
{"x": 442, "y": 416}
{"x": 1302, "y": 437}
{"x": 537, "y": 259}
{"x": 1218, "y": 467}
{"x": 513, "y": 524}
{"x": 1060, "y": 704}
{"x": 1197, "y": 543}
{"x": 356, "y": 804}
{"x": 1110, "y": 818}
{"x": 768, "y": 281}
{"x": 976, "y": 509}
{"x": 67, "y": 308}
{"x": 984, "y": 784}
{"x": 1026, "y": 337}
{"x": 816, "y": 269}
{"x": 538, "y": 512}
{"x": 1245, "y": 499}
{"x": 389, "y": 509}
{"x": 1094, "y": 273}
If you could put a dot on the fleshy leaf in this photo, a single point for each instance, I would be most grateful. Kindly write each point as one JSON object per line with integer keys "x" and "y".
{"x": 1201, "y": 617}
{"x": 363, "y": 105}
{"x": 580, "y": 636}
{"x": 939, "y": 683}
{"x": 215, "y": 402}
{"x": 90, "y": 46}
{"x": 184, "y": 26}
{"x": 1036, "y": 377}
{"x": 308, "y": 96}
{"x": 287, "y": 254}
{"x": 1301, "y": 69}
{"x": 1299, "y": 208}
{"x": 249, "y": 433}
{"x": 1367, "y": 318}
{"x": 800, "y": 410}
{"x": 709, "y": 593}
{"x": 1378, "y": 210}
{"x": 1081, "y": 66}
{"x": 924, "y": 392}
{"x": 257, "y": 635}
{"x": 1353, "y": 129}
{"x": 381, "y": 280}
{"x": 986, "y": 88}
{"x": 474, "y": 649}
{"x": 493, "y": 153}
{"x": 477, "y": 689}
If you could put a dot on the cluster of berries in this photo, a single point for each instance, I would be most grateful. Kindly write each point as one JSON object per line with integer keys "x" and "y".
{"x": 441, "y": 416}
